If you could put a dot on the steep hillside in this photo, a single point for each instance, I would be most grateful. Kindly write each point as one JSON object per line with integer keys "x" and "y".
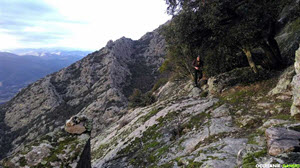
{"x": 238, "y": 119}
{"x": 187, "y": 128}
{"x": 97, "y": 86}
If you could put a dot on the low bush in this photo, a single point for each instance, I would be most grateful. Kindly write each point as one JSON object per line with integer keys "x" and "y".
{"x": 138, "y": 99}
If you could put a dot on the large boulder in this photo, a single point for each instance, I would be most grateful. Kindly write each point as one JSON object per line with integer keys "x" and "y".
{"x": 244, "y": 75}
{"x": 283, "y": 86}
{"x": 281, "y": 140}
{"x": 295, "y": 109}
{"x": 78, "y": 125}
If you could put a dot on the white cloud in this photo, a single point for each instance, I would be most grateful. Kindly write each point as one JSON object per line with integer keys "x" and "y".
{"x": 8, "y": 41}
{"x": 35, "y": 29}
{"x": 88, "y": 24}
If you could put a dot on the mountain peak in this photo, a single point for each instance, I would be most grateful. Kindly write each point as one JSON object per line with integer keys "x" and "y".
{"x": 96, "y": 86}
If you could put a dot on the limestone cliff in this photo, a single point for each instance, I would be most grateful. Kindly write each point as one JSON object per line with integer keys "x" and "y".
{"x": 295, "y": 109}
{"x": 97, "y": 86}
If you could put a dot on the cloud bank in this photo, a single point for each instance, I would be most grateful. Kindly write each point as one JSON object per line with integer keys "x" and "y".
{"x": 86, "y": 24}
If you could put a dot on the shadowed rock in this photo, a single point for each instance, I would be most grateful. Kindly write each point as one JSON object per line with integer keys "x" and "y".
{"x": 222, "y": 81}
{"x": 281, "y": 140}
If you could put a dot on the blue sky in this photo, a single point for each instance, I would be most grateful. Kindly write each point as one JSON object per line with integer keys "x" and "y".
{"x": 79, "y": 24}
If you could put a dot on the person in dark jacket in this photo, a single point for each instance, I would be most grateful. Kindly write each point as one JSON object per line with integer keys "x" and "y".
{"x": 197, "y": 63}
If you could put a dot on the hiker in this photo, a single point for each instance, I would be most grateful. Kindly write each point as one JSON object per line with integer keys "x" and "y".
{"x": 197, "y": 63}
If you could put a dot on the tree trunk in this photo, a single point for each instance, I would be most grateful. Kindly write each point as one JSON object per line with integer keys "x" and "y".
{"x": 250, "y": 60}
{"x": 187, "y": 67}
{"x": 274, "y": 60}
{"x": 269, "y": 58}
{"x": 271, "y": 48}
{"x": 276, "y": 51}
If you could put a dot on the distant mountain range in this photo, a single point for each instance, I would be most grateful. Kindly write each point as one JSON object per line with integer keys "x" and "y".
{"x": 50, "y": 53}
{"x": 25, "y": 66}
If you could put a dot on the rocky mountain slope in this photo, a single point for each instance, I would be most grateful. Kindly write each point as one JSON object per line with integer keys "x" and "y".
{"x": 240, "y": 125}
{"x": 237, "y": 119}
{"x": 97, "y": 86}
{"x": 67, "y": 146}
{"x": 187, "y": 128}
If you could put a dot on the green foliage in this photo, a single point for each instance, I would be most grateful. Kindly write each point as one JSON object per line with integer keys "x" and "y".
{"x": 196, "y": 121}
{"x": 23, "y": 161}
{"x": 194, "y": 164}
{"x": 249, "y": 160}
{"x": 218, "y": 31}
{"x": 166, "y": 66}
{"x": 150, "y": 114}
{"x": 138, "y": 99}
{"x": 222, "y": 59}
{"x": 159, "y": 83}
{"x": 204, "y": 94}
{"x": 294, "y": 26}
{"x": 142, "y": 151}
{"x": 166, "y": 165}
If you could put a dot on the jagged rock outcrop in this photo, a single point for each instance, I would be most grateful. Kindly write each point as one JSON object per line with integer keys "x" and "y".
{"x": 281, "y": 140}
{"x": 237, "y": 76}
{"x": 56, "y": 149}
{"x": 185, "y": 128}
{"x": 283, "y": 87}
{"x": 289, "y": 35}
{"x": 96, "y": 86}
{"x": 295, "y": 109}
{"x": 179, "y": 126}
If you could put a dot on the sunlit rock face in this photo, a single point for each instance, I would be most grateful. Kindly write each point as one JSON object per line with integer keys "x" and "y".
{"x": 295, "y": 109}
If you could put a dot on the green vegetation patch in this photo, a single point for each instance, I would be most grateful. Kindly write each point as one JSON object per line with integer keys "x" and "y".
{"x": 151, "y": 113}
{"x": 249, "y": 160}
{"x": 193, "y": 164}
{"x": 294, "y": 26}
{"x": 23, "y": 161}
{"x": 197, "y": 120}
{"x": 147, "y": 150}
{"x": 98, "y": 153}
{"x": 159, "y": 83}
{"x": 139, "y": 99}
{"x": 60, "y": 149}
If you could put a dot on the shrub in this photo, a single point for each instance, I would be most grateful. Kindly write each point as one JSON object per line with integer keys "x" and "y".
{"x": 159, "y": 83}
{"x": 138, "y": 99}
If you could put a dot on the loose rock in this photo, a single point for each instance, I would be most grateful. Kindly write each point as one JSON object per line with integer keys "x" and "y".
{"x": 280, "y": 140}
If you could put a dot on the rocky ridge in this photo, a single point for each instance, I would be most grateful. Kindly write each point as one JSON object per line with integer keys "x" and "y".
{"x": 236, "y": 125}
{"x": 185, "y": 128}
{"x": 240, "y": 125}
{"x": 96, "y": 86}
